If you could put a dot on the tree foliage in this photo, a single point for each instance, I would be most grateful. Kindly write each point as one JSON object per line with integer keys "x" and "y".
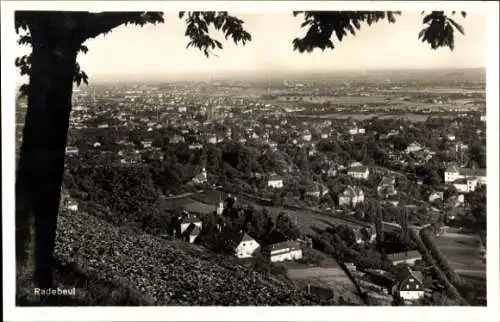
{"x": 439, "y": 30}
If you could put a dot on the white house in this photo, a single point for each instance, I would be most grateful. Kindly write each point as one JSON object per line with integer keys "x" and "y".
{"x": 71, "y": 150}
{"x": 355, "y": 130}
{"x": 307, "y": 137}
{"x": 403, "y": 257}
{"x": 188, "y": 219}
{"x": 288, "y": 250}
{"x": 195, "y": 146}
{"x": 146, "y": 144}
{"x": 201, "y": 178}
{"x": 386, "y": 187}
{"x": 461, "y": 147}
{"x": 71, "y": 204}
{"x": 246, "y": 247}
{"x": 351, "y": 196}
{"x": 465, "y": 185}
{"x": 437, "y": 195}
{"x": 359, "y": 172}
{"x": 413, "y": 147}
{"x": 212, "y": 140}
{"x": 409, "y": 286}
{"x": 191, "y": 233}
{"x": 453, "y": 173}
{"x": 275, "y": 182}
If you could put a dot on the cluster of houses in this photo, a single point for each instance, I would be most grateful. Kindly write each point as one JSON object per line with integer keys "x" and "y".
{"x": 245, "y": 246}
{"x": 407, "y": 284}
{"x": 465, "y": 179}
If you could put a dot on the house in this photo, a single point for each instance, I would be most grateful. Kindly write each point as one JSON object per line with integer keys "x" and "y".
{"x": 437, "y": 195}
{"x": 405, "y": 257}
{"x": 71, "y": 150}
{"x": 131, "y": 159}
{"x": 332, "y": 171}
{"x": 275, "y": 182}
{"x": 359, "y": 172}
{"x": 177, "y": 139}
{"x": 459, "y": 147}
{"x": 195, "y": 146}
{"x": 413, "y": 147}
{"x": 307, "y": 137}
{"x": 246, "y": 246}
{"x": 317, "y": 191}
{"x": 200, "y": 178}
{"x": 386, "y": 187}
{"x": 351, "y": 196}
{"x": 465, "y": 185}
{"x": 408, "y": 285}
{"x": 67, "y": 202}
{"x": 288, "y": 250}
{"x": 187, "y": 219}
{"x": 453, "y": 173}
{"x": 456, "y": 201}
{"x": 355, "y": 130}
{"x": 146, "y": 144}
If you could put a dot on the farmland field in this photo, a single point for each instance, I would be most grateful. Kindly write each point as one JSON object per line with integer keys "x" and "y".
{"x": 413, "y": 117}
{"x": 344, "y": 100}
{"x": 463, "y": 252}
{"x": 331, "y": 277}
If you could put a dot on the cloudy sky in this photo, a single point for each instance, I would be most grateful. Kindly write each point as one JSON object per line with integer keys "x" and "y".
{"x": 161, "y": 50}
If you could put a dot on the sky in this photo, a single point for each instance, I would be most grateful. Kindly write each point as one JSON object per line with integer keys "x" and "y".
{"x": 161, "y": 49}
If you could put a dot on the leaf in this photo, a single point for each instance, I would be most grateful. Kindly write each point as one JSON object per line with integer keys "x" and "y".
{"x": 427, "y": 19}
{"x": 84, "y": 49}
{"x": 422, "y": 33}
{"x": 457, "y": 26}
{"x": 464, "y": 14}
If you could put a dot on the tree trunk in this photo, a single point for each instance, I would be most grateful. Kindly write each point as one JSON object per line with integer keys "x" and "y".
{"x": 41, "y": 163}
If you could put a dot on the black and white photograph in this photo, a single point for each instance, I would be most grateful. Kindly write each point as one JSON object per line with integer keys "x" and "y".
{"x": 285, "y": 159}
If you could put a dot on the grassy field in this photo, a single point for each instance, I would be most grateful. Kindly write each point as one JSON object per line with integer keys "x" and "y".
{"x": 463, "y": 252}
{"x": 188, "y": 204}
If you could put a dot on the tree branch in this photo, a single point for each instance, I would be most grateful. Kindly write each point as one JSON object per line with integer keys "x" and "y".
{"x": 102, "y": 23}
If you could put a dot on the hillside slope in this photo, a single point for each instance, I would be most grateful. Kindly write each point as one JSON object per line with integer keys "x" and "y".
{"x": 165, "y": 272}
